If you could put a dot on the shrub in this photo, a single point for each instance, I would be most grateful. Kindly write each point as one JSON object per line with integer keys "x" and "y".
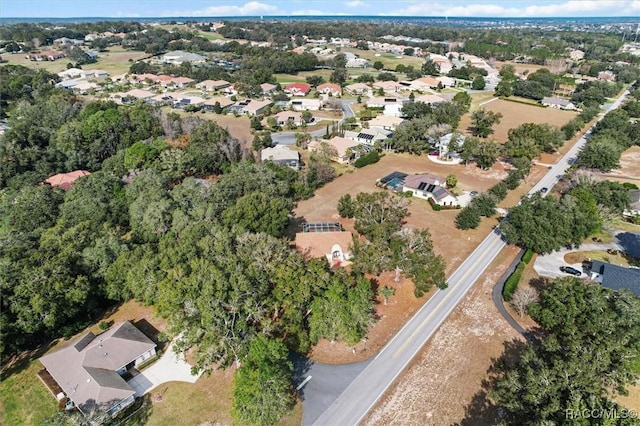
{"x": 526, "y": 258}
{"x": 499, "y": 190}
{"x": 511, "y": 284}
{"x": 104, "y": 325}
{"x": 512, "y": 180}
{"x": 346, "y": 206}
{"x": 468, "y": 218}
{"x": 370, "y": 158}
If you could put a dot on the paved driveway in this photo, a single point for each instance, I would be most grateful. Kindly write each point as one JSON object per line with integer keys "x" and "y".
{"x": 548, "y": 265}
{"x": 169, "y": 368}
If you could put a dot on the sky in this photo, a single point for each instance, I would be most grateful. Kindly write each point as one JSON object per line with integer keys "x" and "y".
{"x": 226, "y": 8}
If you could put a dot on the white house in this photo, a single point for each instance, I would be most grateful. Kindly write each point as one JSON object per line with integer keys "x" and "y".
{"x": 285, "y": 117}
{"x": 281, "y": 155}
{"x": 305, "y": 104}
{"x": 368, "y": 136}
{"x": 428, "y": 186}
{"x": 178, "y": 56}
{"x": 386, "y": 122}
{"x": 558, "y": 103}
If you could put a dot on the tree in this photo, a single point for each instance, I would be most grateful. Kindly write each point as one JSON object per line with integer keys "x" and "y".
{"x": 386, "y": 292}
{"x": 339, "y": 76}
{"x": 262, "y": 386}
{"x": 377, "y": 65}
{"x": 255, "y": 123}
{"x": 589, "y": 342}
{"x": 523, "y": 298}
{"x": 600, "y": 152}
{"x": 469, "y": 149}
{"x": 468, "y": 218}
{"x": 478, "y": 83}
{"x": 315, "y": 80}
{"x": 379, "y": 213}
{"x": 451, "y": 181}
{"x": 429, "y": 67}
{"x": 487, "y": 153}
{"x": 259, "y": 212}
{"x": 306, "y": 116}
{"x": 483, "y": 122}
{"x": 346, "y": 206}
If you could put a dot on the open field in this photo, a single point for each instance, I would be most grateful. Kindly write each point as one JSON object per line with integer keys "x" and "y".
{"x": 301, "y": 77}
{"x": 521, "y": 69}
{"x": 389, "y": 60}
{"x": 115, "y": 61}
{"x": 515, "y": 114}
{"x": 443, "y": 384}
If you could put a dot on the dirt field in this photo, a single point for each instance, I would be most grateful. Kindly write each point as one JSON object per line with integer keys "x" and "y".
{"x": 515, "y": 114}
{"x": 629, "y": 170}
{"x": 446, "y": 377}
{"x": 238, "y": 127}
{"x": 521, "y": 69}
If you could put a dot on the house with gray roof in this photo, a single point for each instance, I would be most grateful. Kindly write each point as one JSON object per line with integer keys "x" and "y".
{"x": 281, "y": 155}
{"x": 429, "y": 186}
{"x": 616, "y": 277}
{"x": 369, "y": 136}
{"x": 558, "y": 103}
{"x": 90, "y": 369}
{"x": 179, "y": 56}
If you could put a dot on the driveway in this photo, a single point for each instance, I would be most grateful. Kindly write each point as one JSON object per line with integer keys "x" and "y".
{"x": 169, "y": 368}
{"x": 548, "y": 265}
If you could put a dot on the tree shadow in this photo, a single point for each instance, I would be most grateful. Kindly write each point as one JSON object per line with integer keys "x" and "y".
{"x": 294, "y": 226}
{"x": 301, "y": 367}
{"x": 482, "y": 410}
{"x": 17, "y": 363}
{"x": 152, "y": 333}
{"x": 630, "y": 243}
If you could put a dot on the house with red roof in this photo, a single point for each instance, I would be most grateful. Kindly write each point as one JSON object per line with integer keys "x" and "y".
{"x": 65, "y": 181}
{"x": 297, "y": 89}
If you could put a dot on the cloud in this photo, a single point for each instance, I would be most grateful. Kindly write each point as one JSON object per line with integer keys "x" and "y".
{"x": 542, "y": 9}
{"x": 355, "y": 3}
{"x": 308, "y": 12}
{"x": 252, "y": 8}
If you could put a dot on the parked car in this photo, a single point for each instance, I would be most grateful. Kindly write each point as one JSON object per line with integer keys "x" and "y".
{"x": 473, "y": 193}
{"x": 570, "y": 270}
{"x": 543, "y": 190}
{"x": 436, "y": 153}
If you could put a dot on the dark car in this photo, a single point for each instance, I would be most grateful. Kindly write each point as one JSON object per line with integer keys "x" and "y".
{"x": 570, "y": 270}
{"x": 545, "y": 189}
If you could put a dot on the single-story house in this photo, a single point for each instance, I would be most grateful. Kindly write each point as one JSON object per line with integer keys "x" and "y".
{"x": 257, "y": 107}
{"x": 71, "y": 73}
{"x": 616, "y": 277}
{"x": 393, "y": 110}
{"x": 333, "y": 246}
{"x": 65, "y": 181}
{"x": 385, "y": 122}
{"x": 442, "y": 145}
{"x": 181, "y": 81}
{"x": 429, "y": 186}
{"x": 182, "y": 100}
{"x": 430, "y": 99}
{"x": 85, "y": 86}
{"x": 297, "y": 89}
{"x": 138, "y": 94}
{"x": 381, "y": 102}
{"x": 305, "y": 104}
{"x": 424, "y": 83}
{"x": 213, "y": 85}
{"x": 358, "y": 63}
{"x": 357, "y": 89}
{"x": 446, "y": 81}
{"x": 268, "y": 88}
{"x": 178, "y": 56}
{"x": 281, "y": 155}
{"x": 224, "y": 102}
{"x": 89, "y": 370}
{"x": 285, "y": 117}
{"x": 606, "y": 75}
{"x": 47, "y": 55}
{"x": 95, "y": 74}
{"x": 368, "y": 136}
{"x": 557, "y": 103}
{"x": 330, "y": 89}
{"x": 345, "y": 149}
{"x": 388, "y": 86}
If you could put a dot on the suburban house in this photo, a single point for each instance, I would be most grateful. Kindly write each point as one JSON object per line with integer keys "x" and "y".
{"x": 368, "y": 136}
{"x": 446, "y": 81}
{"x": 429, "y": 186}
{"x": 345, "y": 149}
{"x": 137, "y": 94}
{"x": 47, "y": 55}
{"x": 213, "y": 85}
{"x": 67, "y": 42}
{"x": 297, "y": 89}
{"x": 178, "y": 56}
{"x": 285, "y": 117}
{"x": 182, "y": 100}
{"x": 305, "y": 104}
{"x": 326, "y": 240}
{"x": 71, "y": 73}
{"x": 95, "y": 74}
{"x": 330, "y": 89}
{"x": 442, "y": 145}
{"x": 381, "y": 102}
{"x": 180, "y": 82}
{"x": 281, "y": 155}
{"x": 209, "y": 104}
{"x": 557, "y": 103}
{"x": 65, "y": 181}
{"x": 250, "y": 107}
{"x": 634, "y": 206}
{"x": 606, "y": 75}
{"x": 268, "y": 88}
{"x": 89, "y": 370}
{"x": 388, "y": 86}
{"x": 357, "y": 89}
{"x": 424, "y": 83}
{"x": 616, "y": 277}
{"x": 385, "y": 122}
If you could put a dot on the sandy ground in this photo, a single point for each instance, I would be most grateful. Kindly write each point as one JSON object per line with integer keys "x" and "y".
{"x": 629, "y": 170}
{"x": 439, "y": 386}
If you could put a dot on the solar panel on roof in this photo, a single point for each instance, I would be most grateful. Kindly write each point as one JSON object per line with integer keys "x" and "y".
{"x": 322, "y": 227}
{"x": 365, "y": 136}
{"x": 422, "y": 185}
{"x": 430, "y": 188}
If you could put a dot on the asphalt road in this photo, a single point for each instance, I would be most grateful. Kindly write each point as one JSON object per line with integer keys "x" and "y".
{"x": 365, "y": 390}
{"x": 289, "y": 138}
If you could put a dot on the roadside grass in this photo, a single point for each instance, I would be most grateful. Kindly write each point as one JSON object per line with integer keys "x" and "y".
{"x": 620, "y": 224}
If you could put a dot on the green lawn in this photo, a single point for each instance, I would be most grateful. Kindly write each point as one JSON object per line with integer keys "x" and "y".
{"x": 24, "y": 399}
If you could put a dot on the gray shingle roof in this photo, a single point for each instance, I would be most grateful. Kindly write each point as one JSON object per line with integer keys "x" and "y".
{"x": 617, "y": 277}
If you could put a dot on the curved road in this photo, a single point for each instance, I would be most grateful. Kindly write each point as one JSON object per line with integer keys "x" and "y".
{"x": 365, "y": 390}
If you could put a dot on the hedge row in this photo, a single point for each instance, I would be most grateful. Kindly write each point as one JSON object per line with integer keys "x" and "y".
{"x": 365, "y": 160}
{"x": 511, "y": 284}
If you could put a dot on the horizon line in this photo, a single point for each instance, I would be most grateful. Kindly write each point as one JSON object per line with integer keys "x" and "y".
{"x": 320, "y": 16}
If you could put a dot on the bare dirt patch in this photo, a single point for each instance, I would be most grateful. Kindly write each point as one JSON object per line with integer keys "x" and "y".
{"x": 629, "y": 170}
{"x": 447, "y": 374}
{"x": 515, "y": 114}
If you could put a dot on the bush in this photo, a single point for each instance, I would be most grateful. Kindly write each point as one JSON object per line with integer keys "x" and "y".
{"x": 104, "y": 325}
{"x": 436, "y": 207}
{"x": 499, "y": 190}
{"x": 370, "y": 158}
{"x": 512, "y": 181}
{"x": 468, "y": 218}
{"x": 484, "y": 204}
{"x": 511, "y": 284}
{"x": 526, "y": 258}
{"x": 346, "y": 206}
